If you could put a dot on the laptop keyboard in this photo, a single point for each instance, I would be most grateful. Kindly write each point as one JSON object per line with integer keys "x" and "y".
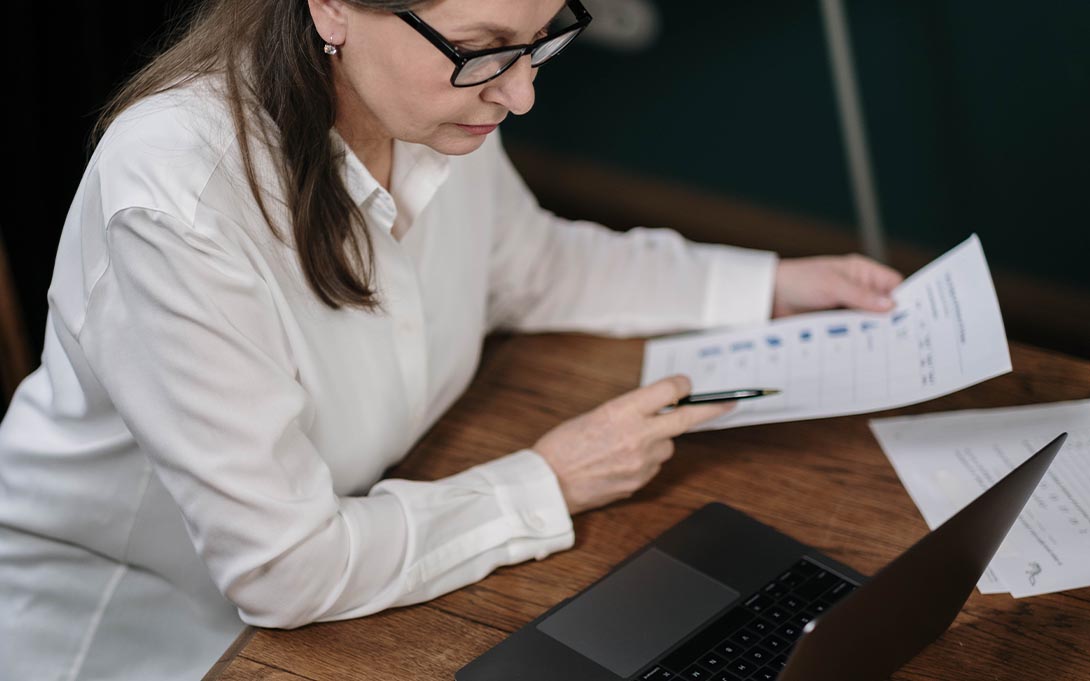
{"x": 752, "y": 641}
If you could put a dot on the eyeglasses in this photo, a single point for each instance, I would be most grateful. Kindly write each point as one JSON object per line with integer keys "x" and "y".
{"x": 480, "y": 66}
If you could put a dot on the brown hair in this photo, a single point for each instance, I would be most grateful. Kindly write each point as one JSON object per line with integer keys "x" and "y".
{"x": 271, "y": 57}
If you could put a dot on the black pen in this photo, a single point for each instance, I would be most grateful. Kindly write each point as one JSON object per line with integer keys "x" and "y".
{"x": 726, "y": 395}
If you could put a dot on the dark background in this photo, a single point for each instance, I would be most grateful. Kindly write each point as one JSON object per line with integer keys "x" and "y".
{"x": 61, "y": 65}
{"x": 976, "y": 114}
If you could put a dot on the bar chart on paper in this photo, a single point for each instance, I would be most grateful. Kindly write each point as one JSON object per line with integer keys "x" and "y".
{"x": 945, "y": 333}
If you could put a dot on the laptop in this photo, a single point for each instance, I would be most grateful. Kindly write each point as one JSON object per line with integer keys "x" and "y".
{"x": 722, "y": 597}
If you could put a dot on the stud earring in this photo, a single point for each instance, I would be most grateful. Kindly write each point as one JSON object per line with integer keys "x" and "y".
{"x": 330, "y": 48}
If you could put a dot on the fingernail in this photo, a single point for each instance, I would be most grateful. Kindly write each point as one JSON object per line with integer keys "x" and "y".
{"x": 885, "y": 302}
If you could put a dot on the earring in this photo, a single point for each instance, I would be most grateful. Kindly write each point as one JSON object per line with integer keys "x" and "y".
{"x": 330, "y": 48}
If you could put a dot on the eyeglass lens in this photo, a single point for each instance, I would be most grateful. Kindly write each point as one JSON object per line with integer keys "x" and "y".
{"x": 550, "y": 49}
{"x": 563, "y": 27}
{"x": 481, "y": 69}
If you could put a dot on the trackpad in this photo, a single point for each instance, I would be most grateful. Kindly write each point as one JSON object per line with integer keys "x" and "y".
{"x": 634, "y": 615}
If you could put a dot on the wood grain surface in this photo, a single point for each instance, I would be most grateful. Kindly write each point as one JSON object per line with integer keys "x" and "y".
{"x": 824, "y": 482}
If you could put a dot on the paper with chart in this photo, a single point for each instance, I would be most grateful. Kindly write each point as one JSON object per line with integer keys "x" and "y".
{"x": 946, "y": 333}
{"x": 947, "y": 460}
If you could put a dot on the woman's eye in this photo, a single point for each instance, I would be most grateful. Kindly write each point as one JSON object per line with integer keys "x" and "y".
{"x": 477, "y": 46}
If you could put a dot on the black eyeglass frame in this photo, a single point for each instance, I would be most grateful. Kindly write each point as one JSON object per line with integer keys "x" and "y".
{"x": 460, "y": 59}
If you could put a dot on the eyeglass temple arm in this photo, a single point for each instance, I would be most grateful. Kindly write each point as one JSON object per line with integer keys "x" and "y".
{"x": 433, "y": 37}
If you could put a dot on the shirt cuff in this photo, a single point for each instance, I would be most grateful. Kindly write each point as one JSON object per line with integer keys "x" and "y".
{"x": 529, "y": 496}
{"x": 740, "y": 285}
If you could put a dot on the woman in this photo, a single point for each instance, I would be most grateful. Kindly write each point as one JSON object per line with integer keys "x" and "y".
{"x": 295, "y": 230}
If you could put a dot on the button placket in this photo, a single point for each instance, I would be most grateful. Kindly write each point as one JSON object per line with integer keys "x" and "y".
{"x": 404, "y": 304}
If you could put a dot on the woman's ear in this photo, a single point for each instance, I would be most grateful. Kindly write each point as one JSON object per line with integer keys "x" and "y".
{"x": 330, "y": 19}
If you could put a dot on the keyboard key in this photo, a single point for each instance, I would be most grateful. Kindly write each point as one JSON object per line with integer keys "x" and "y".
{"x": 696, "y": 673}
{"x": 713, "y": 661}
{"x": 759, "y": 656}
{"x": 760, "y": 626}
{"x": 742, "y": 667}
{"x": 790, "y": 631}
{"x": 817, "y": 585}
{"x": 779, "y": 663}
{"x": 729, "y": 649}
{"x": 791, "y": 579}
{"x": 758, "y": 603}
{"x": 791, "y": 603}
{"x": 775, "y": 644}
{"x": 766, "y": 674}
{"x": 656, "y": 673}
{"x": 806, "y": 568}
{"x": 819, "y": 607}
{"x": 777, "y": 614}
{"x": 745, "y": 638}
{"x": 726, "y": 676}
{"x": 774, "y": 590}
{"x": 839, "y": 591}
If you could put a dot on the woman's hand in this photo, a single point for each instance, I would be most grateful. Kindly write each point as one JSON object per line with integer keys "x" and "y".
{"x": 614, "y": 450}
{"x": 825, "y": 282}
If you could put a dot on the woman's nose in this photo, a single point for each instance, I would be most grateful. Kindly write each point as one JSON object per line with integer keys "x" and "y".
{"x": 514, "y": 90}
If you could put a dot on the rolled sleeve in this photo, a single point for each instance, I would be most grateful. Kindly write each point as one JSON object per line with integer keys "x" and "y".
{"x": 499, "y": 513}
{"x": 739, "y": 286}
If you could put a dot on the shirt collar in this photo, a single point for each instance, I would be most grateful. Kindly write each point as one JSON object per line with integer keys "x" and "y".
{"x": 418, "y": 172}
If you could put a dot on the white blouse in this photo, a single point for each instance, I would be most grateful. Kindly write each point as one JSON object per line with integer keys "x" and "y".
{"x": 204, "y": 441}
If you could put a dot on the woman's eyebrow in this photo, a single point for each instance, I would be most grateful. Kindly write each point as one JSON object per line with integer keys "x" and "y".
{"x": 503, "y": 32}
{"x": 492, "y": 29}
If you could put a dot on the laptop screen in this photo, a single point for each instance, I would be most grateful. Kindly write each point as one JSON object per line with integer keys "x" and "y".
{"x": 912, "y": 601}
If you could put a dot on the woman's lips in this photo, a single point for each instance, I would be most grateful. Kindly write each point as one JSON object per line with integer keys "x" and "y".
{"x": 478, "y": 129}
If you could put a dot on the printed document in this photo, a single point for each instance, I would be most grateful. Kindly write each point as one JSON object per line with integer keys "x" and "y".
{"x": 947, "y": 460}
{"x": 945, "y": 333}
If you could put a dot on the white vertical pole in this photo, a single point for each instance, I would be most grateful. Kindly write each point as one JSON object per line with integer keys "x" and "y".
{"x": 855, "y": 135}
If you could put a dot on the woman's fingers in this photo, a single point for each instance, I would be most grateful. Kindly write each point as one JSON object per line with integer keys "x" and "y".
{"x": 612, "y": 451}
{"x": 652, "y": 398}
{"x": 661, "y": 451}
{"x": 681, "y": 420}
{"x": 874, "y": 274}
{"x": 850, "y": 293}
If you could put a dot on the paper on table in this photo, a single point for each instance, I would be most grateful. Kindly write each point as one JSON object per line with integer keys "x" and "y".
{"x": 946, "y": 333}
{"x": 947, "y": 460}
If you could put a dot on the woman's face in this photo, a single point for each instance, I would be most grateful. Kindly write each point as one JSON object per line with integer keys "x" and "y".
{"x": 392, "y": 82}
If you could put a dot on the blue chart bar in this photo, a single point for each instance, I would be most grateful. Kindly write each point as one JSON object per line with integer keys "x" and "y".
{"x": 835, "y": 331}
{"x": 741, "y": 345}
{"x": 710, "y": 351}
{"x": 897, "y": 317}
{"x": 774, "y": 341}
{"x": 868, "y": 325}
{"x": 805, "y": 335}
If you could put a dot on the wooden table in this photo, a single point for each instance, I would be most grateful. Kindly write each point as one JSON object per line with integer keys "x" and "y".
{"x": 824, "y": 482}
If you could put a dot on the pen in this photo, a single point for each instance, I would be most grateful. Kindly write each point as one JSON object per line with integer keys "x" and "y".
{"x": 726, "y": 395}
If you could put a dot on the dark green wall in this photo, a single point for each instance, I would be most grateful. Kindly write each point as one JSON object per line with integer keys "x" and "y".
{"x": 977, "y": 116}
